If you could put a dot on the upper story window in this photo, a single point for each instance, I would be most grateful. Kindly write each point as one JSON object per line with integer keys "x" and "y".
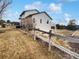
{"x": 33, "y": 20}
{"x": 47, "y": 21}
{"x": 40, "y": 20}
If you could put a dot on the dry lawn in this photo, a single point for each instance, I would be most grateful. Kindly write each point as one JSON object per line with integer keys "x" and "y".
{"x": 16, "y": 45}
{"x": 65, "y": 32}
{"x": 76, "y": 33}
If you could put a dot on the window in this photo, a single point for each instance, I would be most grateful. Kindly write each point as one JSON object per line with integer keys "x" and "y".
{"x": 40, "y": 20}
{"x": 33, "y": 20}
{"x": 47, "y": 22}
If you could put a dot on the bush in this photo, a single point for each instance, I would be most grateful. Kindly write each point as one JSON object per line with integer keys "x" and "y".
{"x": 3, "y": 26}
{"x": 18, "y": 26}
{"x": 60, "y": 26}
{"x": 71, "y": 27}
{"x": 2, "y": 31}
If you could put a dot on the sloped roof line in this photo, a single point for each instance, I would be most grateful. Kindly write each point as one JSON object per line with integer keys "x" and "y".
{"x": 28, "y": 11}
{"x": 40, "y": 13}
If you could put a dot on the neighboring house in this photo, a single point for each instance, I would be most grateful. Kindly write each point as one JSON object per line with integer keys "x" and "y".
{"x": 25, "y": 18}
{"x": 34, "y": 18}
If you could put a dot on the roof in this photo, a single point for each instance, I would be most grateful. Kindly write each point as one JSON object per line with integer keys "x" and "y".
{"x": 28, "y": 11}
{"x": 40, "y": 13}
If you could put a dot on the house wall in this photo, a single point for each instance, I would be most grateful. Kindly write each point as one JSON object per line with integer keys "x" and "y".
{"x": 22, "y": 22}
{"x": 42, "y": 26}
{"x": 27, "y": 22}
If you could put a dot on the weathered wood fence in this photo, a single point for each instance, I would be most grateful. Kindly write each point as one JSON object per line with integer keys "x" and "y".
{"x": 51, "y": 43}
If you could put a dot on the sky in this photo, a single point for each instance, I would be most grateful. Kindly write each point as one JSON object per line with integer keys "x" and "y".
{"x": 61, "y": 11}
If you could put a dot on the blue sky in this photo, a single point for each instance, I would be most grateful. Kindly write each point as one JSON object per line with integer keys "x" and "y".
{"x": 60, "y": 10}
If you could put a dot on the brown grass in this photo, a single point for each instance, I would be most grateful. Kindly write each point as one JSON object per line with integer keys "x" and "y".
{"x": 65, "y": 32}
{"x": 16, "y": 45}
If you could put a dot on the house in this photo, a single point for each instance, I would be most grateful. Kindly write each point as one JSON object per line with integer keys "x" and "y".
{"x": 34, "y": 18}
{"x": 25, "y": 18}
{"x": 42, "y": 21}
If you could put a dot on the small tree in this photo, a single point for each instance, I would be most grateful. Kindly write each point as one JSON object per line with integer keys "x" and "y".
{"x": 3, "y": 6}
{"x": 1, "y": 22}
{"x": 72, "y": 25}
{"x": 58, "y": 26}
{"x": 8, "y": 21}
{"x": 72, "y": 22}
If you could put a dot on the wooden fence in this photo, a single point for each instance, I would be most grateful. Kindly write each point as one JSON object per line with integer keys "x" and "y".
{"x": 51, "y": 43}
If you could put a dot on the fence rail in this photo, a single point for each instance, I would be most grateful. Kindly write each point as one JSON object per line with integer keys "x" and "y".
{"x": 68, "y": 38}
{"x": 66, "y": 50}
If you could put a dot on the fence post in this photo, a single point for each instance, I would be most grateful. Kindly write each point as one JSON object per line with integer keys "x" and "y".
{"x": 34, "y": 34}
{"x": 49, "y": 49}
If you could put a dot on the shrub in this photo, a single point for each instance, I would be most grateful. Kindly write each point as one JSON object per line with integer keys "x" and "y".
{"x": 71, "y": 27}
{"x": 3, "y": 26}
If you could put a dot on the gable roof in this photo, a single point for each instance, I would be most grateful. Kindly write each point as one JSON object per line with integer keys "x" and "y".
{"x": 40, "y": 13}
{"x": 28, "y": 11}
{"x": 46, "y": 14}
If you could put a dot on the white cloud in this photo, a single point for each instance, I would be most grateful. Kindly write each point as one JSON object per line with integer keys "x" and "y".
{"x": 10, "y": 15}
{"x": 35, "y": 5}
{"x": 52, "y": 7}
{"x": 67, "y": 17}
{"x": 56, "y": 8}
